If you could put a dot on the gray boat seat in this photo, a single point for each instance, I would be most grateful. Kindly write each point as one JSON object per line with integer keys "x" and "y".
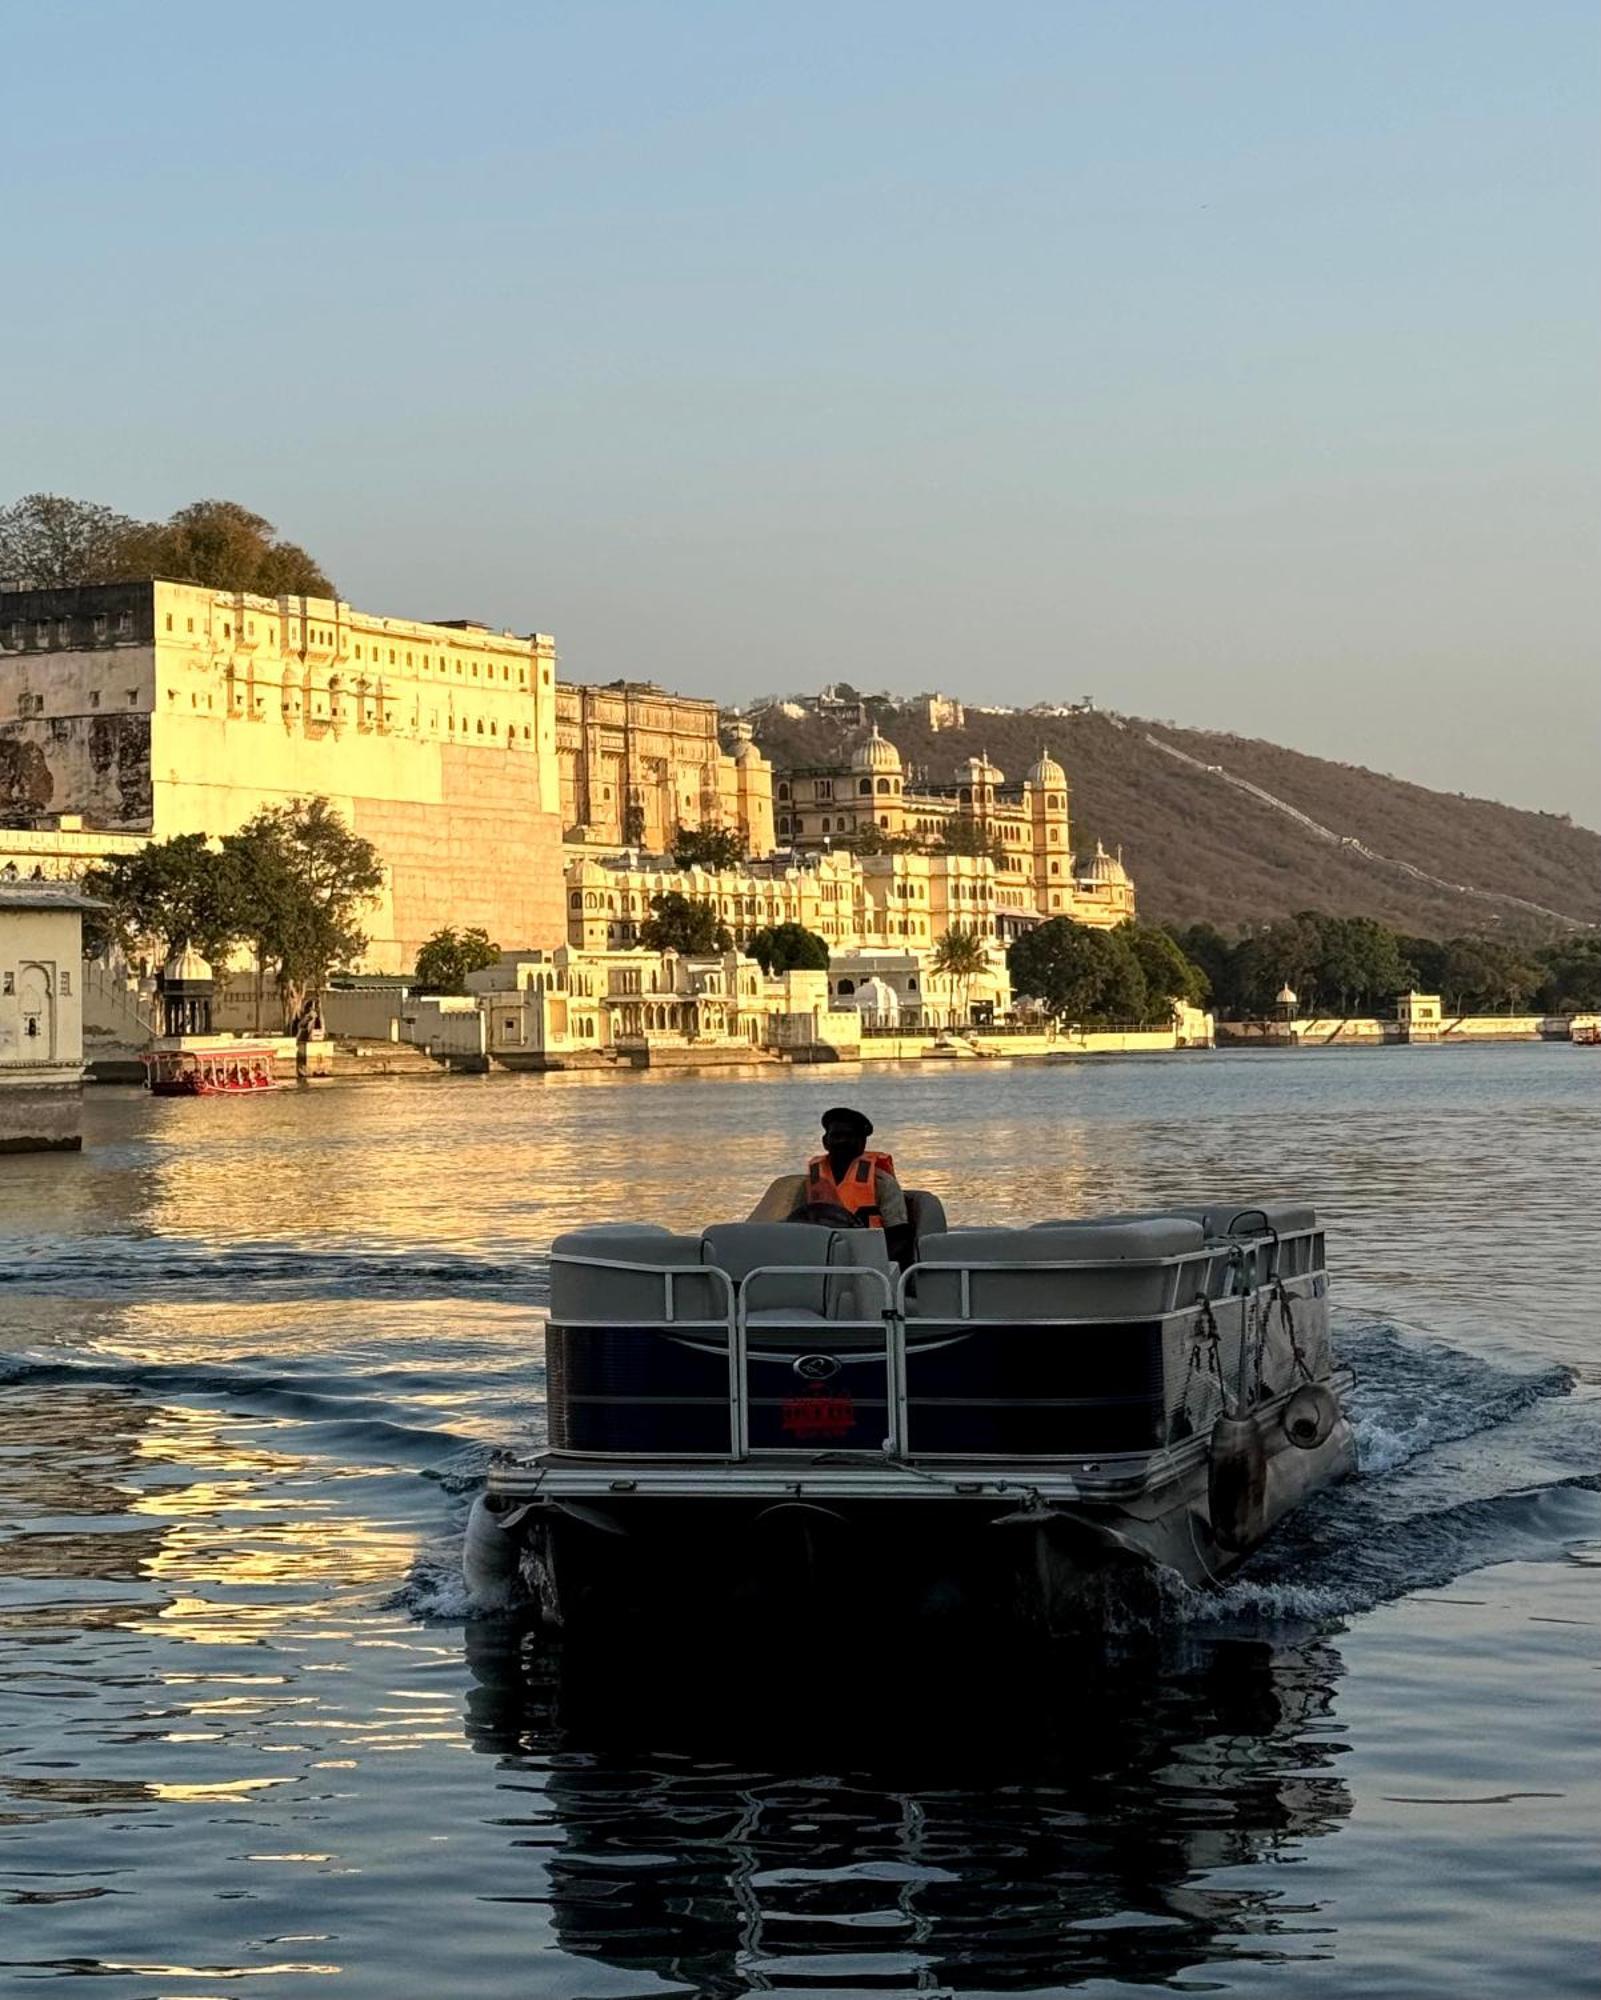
{"x": 742, "y": 1247}
{"x": 1222, "y": 1219}
{"x": 585, "y": 1291}
{"x": 1127, "y": 1280}
{"x": 926, "y": 1212}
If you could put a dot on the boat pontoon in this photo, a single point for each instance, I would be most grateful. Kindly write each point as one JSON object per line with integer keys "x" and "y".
{"x": 770, "y": 1417}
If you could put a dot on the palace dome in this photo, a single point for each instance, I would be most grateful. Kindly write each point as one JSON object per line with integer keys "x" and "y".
{"x": 1105, "y": 868}
{"x": 980, "y": 771}
{"x": 876, "y": 753}
{"x": 878, "y": 1003}
{"x": 1047, "y": 772}
{"x": 187, "y": 967}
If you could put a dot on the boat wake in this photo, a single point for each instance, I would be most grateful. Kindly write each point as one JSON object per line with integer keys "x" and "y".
{"x": 1461, "y": 1462}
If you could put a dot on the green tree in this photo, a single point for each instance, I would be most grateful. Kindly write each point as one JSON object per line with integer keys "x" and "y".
{"x": 1483, "y": 975}
{"x": 167, "y": 895}
{"x": 711, "y": 847}
{"x": 449, "y": 955}
{"x": 1571, "y": 976}
{"x": 962, "y": 956}
{"x": 678, "y": 924}
{"x": 227, "y": 547}
{"x": 1078, "y": 974}
{"x": 314, "y": 879}
{"x": 789, "y": 948}
{"x": 1212, "y": 954}
{"x": 967, "y": 836}
{"x": 48, "y": 542}
{"x": 1169, "y": 976}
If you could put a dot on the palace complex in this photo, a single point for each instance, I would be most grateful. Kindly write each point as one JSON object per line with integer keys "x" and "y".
{"x": 494, "y": 796}
{"x": 1022, "y": 828}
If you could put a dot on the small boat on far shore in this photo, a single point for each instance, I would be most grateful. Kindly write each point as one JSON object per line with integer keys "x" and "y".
{"x": 208, "y": 1072}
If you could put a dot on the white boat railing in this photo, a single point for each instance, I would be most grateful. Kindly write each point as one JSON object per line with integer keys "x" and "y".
{"x": 732, "y": 1328}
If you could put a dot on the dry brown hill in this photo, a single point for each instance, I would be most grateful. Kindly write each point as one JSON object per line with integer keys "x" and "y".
{"x": 1203, "y": 847}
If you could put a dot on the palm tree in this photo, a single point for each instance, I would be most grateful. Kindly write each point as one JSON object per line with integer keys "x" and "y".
{"x": 962, "y": 955}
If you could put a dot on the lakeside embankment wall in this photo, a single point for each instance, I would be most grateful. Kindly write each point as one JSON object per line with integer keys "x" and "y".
{"x": 1325, "y": 1031}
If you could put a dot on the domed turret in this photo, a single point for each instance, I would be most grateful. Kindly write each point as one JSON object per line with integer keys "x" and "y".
{"x": 878, "y": 1003}
{"x": 979, "y": 771}
{"x": 1047, "y": 773}
{"x": 186, "y": 967}
{"x": 876, "y": 755}
{"x": 1105, "y": 868}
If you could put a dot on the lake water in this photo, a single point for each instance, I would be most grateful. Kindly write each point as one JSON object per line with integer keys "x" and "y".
{"x": 255, "y": 1356}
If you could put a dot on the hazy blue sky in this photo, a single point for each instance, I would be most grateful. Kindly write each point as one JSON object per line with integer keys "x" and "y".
{"x": 1232, "y": 362}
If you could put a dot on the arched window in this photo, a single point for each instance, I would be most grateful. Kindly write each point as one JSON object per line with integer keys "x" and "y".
{"x": 966, "y": 795}
{"x": 884, "y": 822}
{"x": 825, "y": 825}
{"x": 883, "y": 786}
{"x": 783, "y": 791}
{"x": 576, "y": 900}
{"x": 865, "y": 787}
{"x": 846, "y": 986}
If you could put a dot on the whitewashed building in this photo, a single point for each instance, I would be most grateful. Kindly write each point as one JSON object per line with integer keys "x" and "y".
{"x": 41, "y": 1016}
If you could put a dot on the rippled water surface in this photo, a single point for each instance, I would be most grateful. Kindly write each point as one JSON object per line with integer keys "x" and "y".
{"x": 255, "y": 1357}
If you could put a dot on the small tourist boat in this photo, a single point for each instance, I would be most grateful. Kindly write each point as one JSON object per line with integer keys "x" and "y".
{"x": 770, "y": 1418}
{"x": 1587, "y": 1034}
{"x": 208, "y": 1072}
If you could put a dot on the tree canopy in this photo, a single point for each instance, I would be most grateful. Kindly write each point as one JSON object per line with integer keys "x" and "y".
{"x": 708, "y": 847}
{"x": 292, "y": 884}
{"x": 449, "y": 955}
{"x": 167, "y": 895}
{"x": 1352, "y": 965}
{"x": 677, "y": 923}
{"x": 1077, "y": 974}
{"x": 48, "y": 541}
{"x": 788, "y": 948}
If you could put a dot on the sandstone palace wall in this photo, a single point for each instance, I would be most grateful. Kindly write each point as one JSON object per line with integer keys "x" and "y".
{"x": 164, "y": 708}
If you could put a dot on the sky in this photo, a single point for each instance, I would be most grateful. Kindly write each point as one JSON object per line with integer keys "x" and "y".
{"x": 1230, "y": 361}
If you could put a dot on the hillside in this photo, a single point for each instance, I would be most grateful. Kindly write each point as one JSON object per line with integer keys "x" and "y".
{"x": 1202, "y": 847}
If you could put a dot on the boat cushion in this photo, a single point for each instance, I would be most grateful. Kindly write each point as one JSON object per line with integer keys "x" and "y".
{"x": 585, "y": 1291}
{"x": 1126, "y": 1277}
{"x": 742, "y": 1247}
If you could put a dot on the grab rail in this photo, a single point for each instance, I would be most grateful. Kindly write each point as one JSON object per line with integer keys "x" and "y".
{"x": 889, "y": 1321}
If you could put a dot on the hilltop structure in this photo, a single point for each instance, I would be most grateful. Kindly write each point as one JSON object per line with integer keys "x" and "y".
{"x": 1023, "y": 829}
{"x": 134, "y": 711}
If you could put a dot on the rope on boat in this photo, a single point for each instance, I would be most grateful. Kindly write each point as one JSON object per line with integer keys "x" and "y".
{"x": 1206, "y": 1364}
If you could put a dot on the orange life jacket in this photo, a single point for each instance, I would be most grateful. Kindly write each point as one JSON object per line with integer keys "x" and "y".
{"x": 858, "y": 1192}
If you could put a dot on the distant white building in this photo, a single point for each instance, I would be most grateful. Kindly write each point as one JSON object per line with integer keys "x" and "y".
{"x": 41, "y": 1016}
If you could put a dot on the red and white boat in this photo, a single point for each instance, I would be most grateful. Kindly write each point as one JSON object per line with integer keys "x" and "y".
{"x": 208, "y": 1072}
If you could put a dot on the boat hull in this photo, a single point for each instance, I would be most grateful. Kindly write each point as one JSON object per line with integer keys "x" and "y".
{"x": 809, "y": 1548}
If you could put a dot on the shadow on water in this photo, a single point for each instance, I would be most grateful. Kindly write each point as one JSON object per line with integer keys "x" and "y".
{"x": 938, "y": 1824}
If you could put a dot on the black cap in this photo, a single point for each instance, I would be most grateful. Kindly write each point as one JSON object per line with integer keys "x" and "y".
{"x": 843, "y": 1114}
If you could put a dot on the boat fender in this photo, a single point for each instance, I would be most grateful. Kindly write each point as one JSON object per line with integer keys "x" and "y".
{"x": 1310, "y": 1416}
{"x": 1237, "y": 1482}
{"x": 489, "y": 1557}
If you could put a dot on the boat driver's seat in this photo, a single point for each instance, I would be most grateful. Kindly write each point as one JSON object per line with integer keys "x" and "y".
{"x": 788, "y": 1193}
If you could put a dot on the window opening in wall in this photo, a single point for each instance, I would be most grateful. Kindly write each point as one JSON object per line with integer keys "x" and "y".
{"x": 8, "y": 982}
{"x": 65, "y": 982}
{"x": 169, "y": 621}
{"x": 133, "y": 696}
{"x": 94, "y": 697}
{"x": 190, "y": 623}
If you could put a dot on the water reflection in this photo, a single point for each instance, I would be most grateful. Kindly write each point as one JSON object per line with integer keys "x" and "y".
{"x": 930, "y": 1825}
